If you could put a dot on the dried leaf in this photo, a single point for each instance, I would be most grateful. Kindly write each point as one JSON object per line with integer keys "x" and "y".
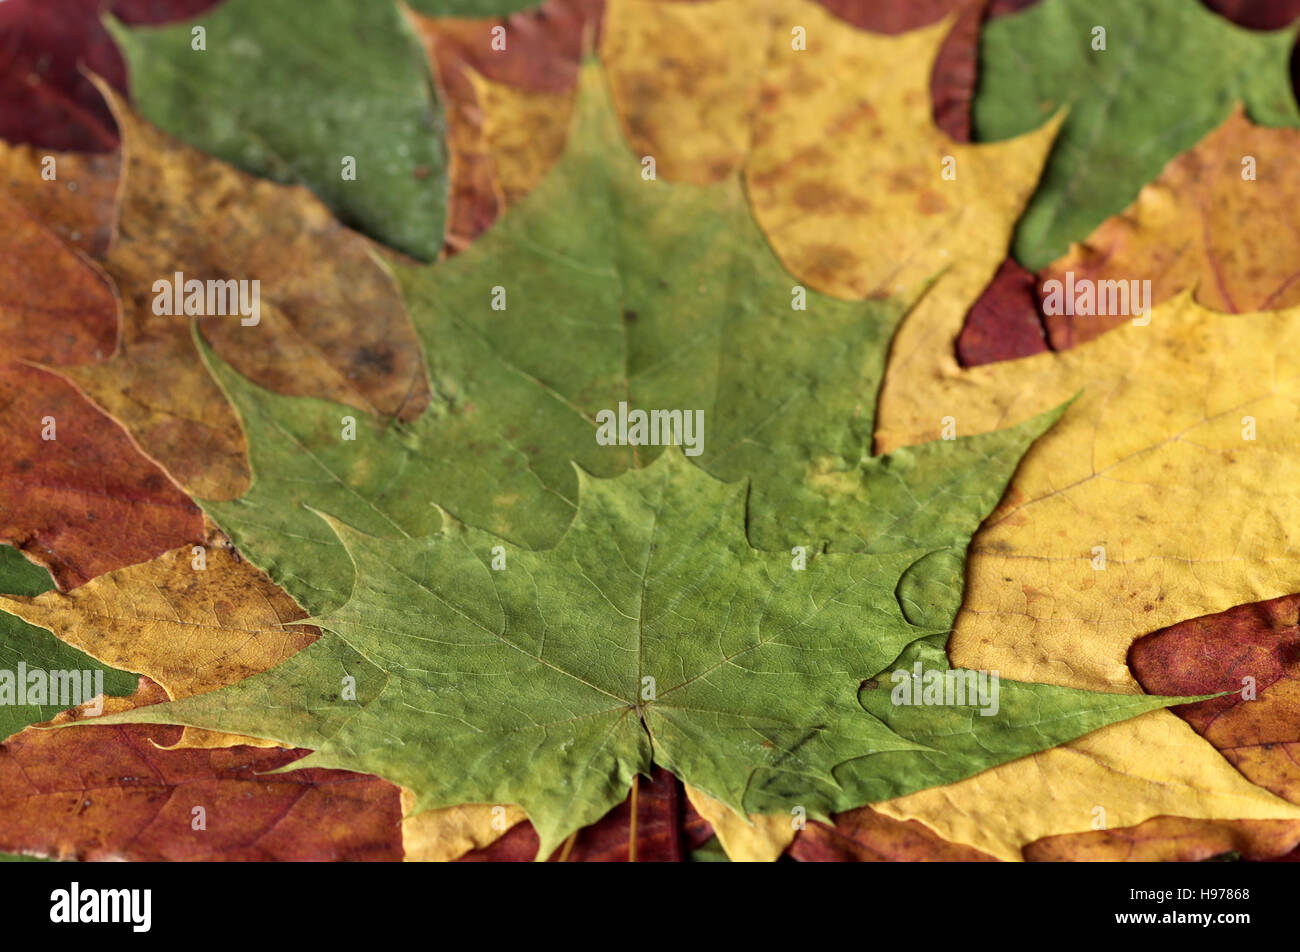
{"x": 667, "y": 828}
{"x": 1249, "y": 651}
{"x": 1159, "y": 426}
{"x": 24, "y": 648}
{"x": 354, "y": 69}
{"x": 55, "y": 305}
{"x": 111, "y": 794}
{"x": 1166, "y": 839}
{"x": 1157, "y": 429}
{"x": 952, "y": 83}
{"x": 79, "y": 205}
{"x": 45, "y": 98}
{"x": 187, "y": 628}
{"x": 819, "y": 158}
{"x": 865, "y": 836}
{"x": 1124, "y": 774}
{"x": 918, "y": 512}
{"x": 317, "y": 281}
{"x": 86, "y": 502}
{"x": 1201, "y": 226}
{"x": 543, "y": 45}
{"x": 1170, "y": 72}
{"x": 1004, "y": 323}
{"x": 440, "y": 836}
{"x": 685, "y": 80}
{"x": 752, "y": 839}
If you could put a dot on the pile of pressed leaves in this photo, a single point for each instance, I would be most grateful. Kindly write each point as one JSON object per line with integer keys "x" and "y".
{"x": 649, "y": 430}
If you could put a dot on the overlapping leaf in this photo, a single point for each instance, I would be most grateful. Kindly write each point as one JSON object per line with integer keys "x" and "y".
{"x": 80, "y": 209}
{"x": 117, "y": 794}
{"x": 292, "y": 91}
{"x": 86, "y": 501}
{"x": 193, "y": 619}
{"x": 507, "y": 108}
{"x": 29, "y": 646}
{"x": 329, "y": 322}
{"x": 655, "y": 824}
{"x": 618, "y": 290}
{"x": 1248, "y": 651}
{"x": 1218, "y": 221}
{"x": 1158, "y": 429}
{"x": 45, "y": 98}
{"x": 1170, "y": 72}
{"x": 865, "y": 836}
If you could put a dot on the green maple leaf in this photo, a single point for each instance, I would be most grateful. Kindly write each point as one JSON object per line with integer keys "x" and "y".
{"x": 1171, "y": 72}
{"x": 616, "y": 289}
{"x": 466, "y": 683}
{"x": 38, "y": 649}
{"x": 468, "y": 669}
{"x": 286, "y": 89}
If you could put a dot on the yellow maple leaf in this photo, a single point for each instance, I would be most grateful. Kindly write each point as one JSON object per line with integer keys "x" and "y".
{"x": 1162, "y": 495}
{"x": 447, "y": 834}
{"x": 753, "y": 839}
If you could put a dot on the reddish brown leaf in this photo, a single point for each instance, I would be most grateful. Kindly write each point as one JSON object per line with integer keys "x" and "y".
{"x": 865, "y": 836}
{"x": 476, "y": 199}
{"x": 1004, "y": 323}
{"x": 892, "y": 16}
{"x": 45, "y": 98}
{"x": 1171, "y": 839}
{"x": 952, "y": 83}
{"x": 55, "y": 306}
{"x": 667, "y": 828}
{"x": 86, "y": 502}
{"x": 518, "y": 845}
{"x": 1260, "y": 737}
{"x": 108, "y": 793}
{"x": 78, "y": 205}
{"x": 1257, "y": 14}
